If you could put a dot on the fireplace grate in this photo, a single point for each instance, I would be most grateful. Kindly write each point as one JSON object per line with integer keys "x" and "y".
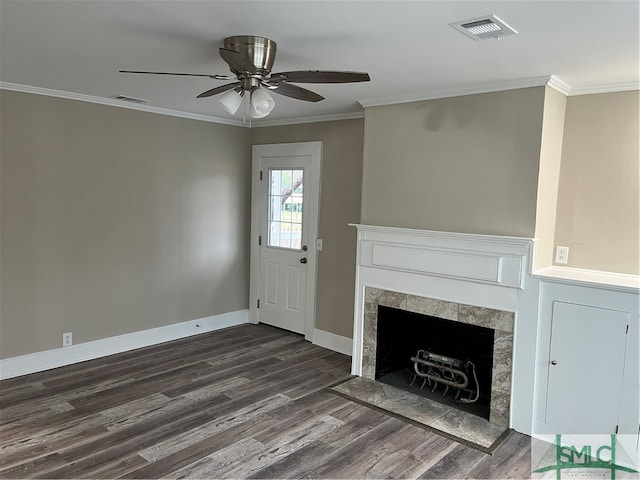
{"x": 451, "y": 373}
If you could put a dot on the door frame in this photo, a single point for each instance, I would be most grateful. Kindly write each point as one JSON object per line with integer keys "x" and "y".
{"x": 258, "y": 209}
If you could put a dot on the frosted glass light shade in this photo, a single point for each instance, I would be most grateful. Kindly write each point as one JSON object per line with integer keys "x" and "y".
{"x": 261, "y": 103}
{"x": 231, "y": 101}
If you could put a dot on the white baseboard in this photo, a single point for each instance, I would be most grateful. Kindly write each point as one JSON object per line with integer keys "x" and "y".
{"x": 58, "y": 357}
{"x": 334, "y": 342}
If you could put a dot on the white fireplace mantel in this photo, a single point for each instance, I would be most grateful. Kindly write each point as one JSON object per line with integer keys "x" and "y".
{"x": 480, "y": 270}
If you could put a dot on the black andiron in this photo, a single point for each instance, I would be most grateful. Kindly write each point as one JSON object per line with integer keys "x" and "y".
{"x": 440, "y": 370}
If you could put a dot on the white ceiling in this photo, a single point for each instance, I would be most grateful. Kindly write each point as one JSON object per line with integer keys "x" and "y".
{"x": 408, "y": 48}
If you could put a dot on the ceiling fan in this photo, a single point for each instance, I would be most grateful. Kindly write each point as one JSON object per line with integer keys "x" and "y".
{"x": 250, "y": 58}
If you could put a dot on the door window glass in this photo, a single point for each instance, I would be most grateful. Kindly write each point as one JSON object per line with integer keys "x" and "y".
{"x": 285, "y": 208}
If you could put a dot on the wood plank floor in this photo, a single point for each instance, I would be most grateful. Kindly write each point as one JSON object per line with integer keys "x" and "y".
{"x": 245, "y": 402}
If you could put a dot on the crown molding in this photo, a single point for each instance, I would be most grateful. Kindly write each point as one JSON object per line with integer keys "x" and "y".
{"x": 459, "y": 91}
{"x": 549, "y": 80}
{"x": 559, "y": 85}
{"x": 173, "y": 113}
{"x": 314, "y": 119}
{"x": 116, "y": 103}
{"x": 608, "y": 88}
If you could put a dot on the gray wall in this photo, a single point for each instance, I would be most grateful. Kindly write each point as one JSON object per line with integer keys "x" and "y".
{"x": 339, "y": 205}
{"x": 116, "y": 221}
{"x": 598, "y": 197}
{"x": 462, "y": 164}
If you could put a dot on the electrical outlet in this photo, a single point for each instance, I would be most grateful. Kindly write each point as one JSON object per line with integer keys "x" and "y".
{"x": 562, "y": 254}
{"x": 67, "y": 339}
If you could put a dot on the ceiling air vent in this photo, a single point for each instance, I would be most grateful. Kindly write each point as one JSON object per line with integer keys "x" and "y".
{"x": 126, "y": 98}
{"x": 483, "y": 28}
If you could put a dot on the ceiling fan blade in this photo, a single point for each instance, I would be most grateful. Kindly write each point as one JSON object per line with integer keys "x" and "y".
{"x": 237, "y": 61}
{"x": 220, "y": 89}
{"x": 321, "y": 76}
{"x": 216, "y": 77}
{"x": 293, "y": 91}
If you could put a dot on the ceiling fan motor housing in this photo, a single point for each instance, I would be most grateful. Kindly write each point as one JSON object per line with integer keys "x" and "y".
{"x": 260, "y": 50}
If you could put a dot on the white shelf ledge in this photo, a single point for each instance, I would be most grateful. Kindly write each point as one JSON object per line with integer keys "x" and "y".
{"x": 579, "y": 276}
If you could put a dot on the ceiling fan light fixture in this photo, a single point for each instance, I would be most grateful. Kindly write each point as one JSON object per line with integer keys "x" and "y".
{"x": 231, "y": 101}
{"x": 261, "y": 103}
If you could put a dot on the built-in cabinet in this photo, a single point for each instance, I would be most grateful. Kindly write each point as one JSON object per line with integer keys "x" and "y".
{"x": 587, "y": 363}
{"x": 588, "y": 349}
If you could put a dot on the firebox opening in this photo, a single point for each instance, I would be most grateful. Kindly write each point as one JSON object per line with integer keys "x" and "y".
{"x": 445, "y": 361}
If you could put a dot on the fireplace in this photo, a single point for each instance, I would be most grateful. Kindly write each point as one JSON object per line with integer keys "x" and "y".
{"x": 446, "y": 361}
{"x": 471, "y": 280}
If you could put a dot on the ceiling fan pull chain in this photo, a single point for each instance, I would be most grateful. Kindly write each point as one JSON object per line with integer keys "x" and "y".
{"x": 245, "y": 106}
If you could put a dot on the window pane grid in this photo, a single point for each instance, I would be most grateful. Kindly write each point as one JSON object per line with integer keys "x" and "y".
{"x": 285, "y": 205}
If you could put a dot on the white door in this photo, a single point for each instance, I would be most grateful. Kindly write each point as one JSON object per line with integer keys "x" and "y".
{"x": 284, "y": 220}
{"x": 587, "y": 357}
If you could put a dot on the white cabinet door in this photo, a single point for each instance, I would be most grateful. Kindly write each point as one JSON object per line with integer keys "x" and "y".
{"x": 586, "y": 370}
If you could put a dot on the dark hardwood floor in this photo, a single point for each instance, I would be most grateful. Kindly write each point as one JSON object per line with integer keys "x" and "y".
{"x": 245, "y": 402}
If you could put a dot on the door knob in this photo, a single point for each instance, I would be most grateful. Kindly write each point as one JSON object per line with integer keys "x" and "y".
{"x": 553, "y": 362}
{"x": 303, "y": 260}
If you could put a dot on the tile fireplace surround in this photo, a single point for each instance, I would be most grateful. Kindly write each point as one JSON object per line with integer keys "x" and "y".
{"x": 500, "y": 321}
{"x": 481, "y": 280}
